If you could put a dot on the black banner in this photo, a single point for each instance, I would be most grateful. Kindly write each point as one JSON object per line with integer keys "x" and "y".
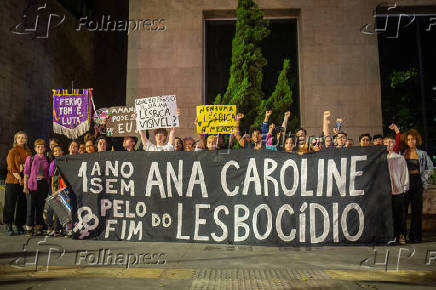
{"x": 333, "y": 197}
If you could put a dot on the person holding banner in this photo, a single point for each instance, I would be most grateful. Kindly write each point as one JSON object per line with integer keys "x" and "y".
{"x": 36, "y": 187}
{"x": 15, "y": 200}
{"x": 420, "y": 169}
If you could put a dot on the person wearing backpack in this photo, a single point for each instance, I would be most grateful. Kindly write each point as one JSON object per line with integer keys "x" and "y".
{"x": 36, "y": 187}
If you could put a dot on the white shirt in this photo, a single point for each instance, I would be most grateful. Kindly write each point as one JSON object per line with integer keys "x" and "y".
{"x": 151, "y": 147}
{"x": 398, "y": 173}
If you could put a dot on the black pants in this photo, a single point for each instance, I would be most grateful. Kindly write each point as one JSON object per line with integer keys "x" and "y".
{"x": 14, "y": 198}
{"x": 35, "y": 204}
{"x": 399, "y": 214}
{"x": 414, "y": 196}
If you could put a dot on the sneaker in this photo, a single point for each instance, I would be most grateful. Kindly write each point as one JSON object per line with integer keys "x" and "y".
{"x": 392, "y": 242}
{"x": 402, "y": 240}
{"x": 51, "y": 233}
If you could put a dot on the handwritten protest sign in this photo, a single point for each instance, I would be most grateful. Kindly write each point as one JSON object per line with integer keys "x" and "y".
{"x": 71, "y": 112}
{"x": 156, "y": 112}
{"x": 121, "y": 122}
{"x": 216, "y": 119}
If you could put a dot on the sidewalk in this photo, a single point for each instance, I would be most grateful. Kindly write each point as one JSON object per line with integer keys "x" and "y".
{"x": 76, "y": 264}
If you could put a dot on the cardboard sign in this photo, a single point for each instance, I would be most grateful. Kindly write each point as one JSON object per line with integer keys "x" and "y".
{"x": 216, "y": 119}
{"x": 156, "y": 112}
{"x": 121, "y": 122}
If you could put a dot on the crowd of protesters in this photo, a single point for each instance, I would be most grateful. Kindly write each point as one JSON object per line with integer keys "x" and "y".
{"x": 31, "y": 179}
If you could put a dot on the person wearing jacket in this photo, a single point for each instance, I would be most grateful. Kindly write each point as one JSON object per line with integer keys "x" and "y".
{"x": 36, "y": 187}
{"x": 399, "y": 176}
{"x": 420, "y": 168}
{"x": 15, "y": 199}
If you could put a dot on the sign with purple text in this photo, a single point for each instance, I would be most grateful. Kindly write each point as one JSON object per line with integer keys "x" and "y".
{"x": 71, "y": 112}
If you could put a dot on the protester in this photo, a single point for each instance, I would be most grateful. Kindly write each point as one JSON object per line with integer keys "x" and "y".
{"x": 365, "y": 139}
{"x": 188, "y": 144}
{"x": 317, "y": 144}
{"x": 289, "y": 144}
{"x": 399, "y": 177}
{"x": 349, "y": 142}
{"x": 129, "y": 143}
{"x": 328, "y": 142}
{"x": 178, "y": 144}
{"x": 420, "y": 169}
{"x": 36, "y": 187}
{"x": 255, "y": 141}
{"x": 52, "y": 143}
{"x": 82, "y": 148}
{"x": 302, "y": 146}
{"x": 212, "y": 142}
{"x": 73, "y": 148}
{"x": 89, "y": 146}
{"x": 56, "y": 183}
{"x": 101, "y": 144}
{"x": 341, "y": 139}
{"x": 15, "y": 199}
{"x": 377, "y": 139}
{"x": 274, "y": 140}
{"x": 161, "y": 136}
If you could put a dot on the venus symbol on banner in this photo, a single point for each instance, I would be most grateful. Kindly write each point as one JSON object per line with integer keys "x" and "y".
{"x": 83, "y": 225}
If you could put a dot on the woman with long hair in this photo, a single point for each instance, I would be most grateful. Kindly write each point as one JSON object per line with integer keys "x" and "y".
{"x": 420, "y": 169}
{"x": 15, "y": 200}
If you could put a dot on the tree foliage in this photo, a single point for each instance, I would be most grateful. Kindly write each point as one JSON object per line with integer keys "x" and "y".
{"x": 244, "y": 88}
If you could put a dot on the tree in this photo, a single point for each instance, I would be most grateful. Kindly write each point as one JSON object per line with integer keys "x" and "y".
{"x": 244, "y": 88}
{"x": 245, "y": 82}
{"x": 279, "y": 102}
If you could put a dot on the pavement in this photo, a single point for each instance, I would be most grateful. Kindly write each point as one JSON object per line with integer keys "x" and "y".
{"x": 61, "y": 263}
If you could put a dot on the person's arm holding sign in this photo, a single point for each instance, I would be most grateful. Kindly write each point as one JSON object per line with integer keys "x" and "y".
{"x": 172, "y": 135}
